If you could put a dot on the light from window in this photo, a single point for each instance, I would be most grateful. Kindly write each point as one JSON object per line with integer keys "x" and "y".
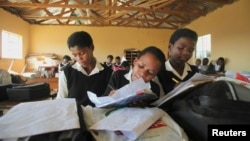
{"x": 203, "y": 46}
{"x": 11, "y": 45}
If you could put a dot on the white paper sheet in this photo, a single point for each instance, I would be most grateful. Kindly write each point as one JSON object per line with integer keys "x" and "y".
{"x": 195, "y": 80}
{"x": 31, "y": 118}
{"x": 168, "y": 130}
{"x": 135, "y": 91}
{"x": 132, "y": 122}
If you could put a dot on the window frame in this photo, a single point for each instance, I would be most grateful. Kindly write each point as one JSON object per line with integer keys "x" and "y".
{"x": 203, "y": 46}
{"x": 11, "y": 46}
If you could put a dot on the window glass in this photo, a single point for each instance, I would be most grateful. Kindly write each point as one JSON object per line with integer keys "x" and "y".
{"x": 11, "y": 45}
{"x": 203, "y": 47}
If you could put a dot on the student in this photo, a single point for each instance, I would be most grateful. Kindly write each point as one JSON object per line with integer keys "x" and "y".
{"x": 181, "y": 47}
{"x": 198, "y": 63}
{"x": 65, "y": 61}
{"x": 109, "y": 61}
{"x": 217, "y": 67}
{"x": 87, "y": 74}
{"x": 149, "y": 62}
{"x": 5, "y": 77}
{"x": 125, "y": 65}
{"x": 204, "y": 65}
{"x": 117, "y": 64}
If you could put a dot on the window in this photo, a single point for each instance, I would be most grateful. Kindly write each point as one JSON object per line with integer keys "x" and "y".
{"x": 203, "y": 47}
{"x": 11, "y": 45}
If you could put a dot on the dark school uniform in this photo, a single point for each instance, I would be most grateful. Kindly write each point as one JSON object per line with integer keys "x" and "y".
{"x": 108, "y": 65}
{"x": 78, "y": 84}
{"x": 119, "y": 80}
{"x": 168, "y": 78}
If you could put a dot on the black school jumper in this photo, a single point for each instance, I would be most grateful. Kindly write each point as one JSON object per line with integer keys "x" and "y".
{"x": 78, "y": 84}
{"x": 168, "y": 84}
{"x": 118, "y": 80}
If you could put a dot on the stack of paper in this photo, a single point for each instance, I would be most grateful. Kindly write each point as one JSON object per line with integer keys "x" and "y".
{"x": 32, "y": 118}
{"x": 131, "y": 122}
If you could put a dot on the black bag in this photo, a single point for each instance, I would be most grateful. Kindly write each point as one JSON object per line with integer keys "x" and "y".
{"x": 29, "y": 91}
{"x": 217, "y": 103}
{"x": 3, "y": 91}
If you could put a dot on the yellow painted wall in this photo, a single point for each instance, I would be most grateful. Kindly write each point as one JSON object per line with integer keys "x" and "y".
{"x": 12, "y": 23}
{"x": 229, "y": 27}
{"x": 107, "y": 40}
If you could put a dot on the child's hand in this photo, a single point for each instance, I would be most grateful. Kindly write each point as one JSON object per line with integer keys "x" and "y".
{"x": 112, "y": 92}
{"x": 176, "y": 85}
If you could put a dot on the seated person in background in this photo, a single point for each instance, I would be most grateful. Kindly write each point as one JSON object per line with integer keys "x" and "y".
{"x": 5, "y": 77}
{"x": 149, "y": 62}
{"x": 87, "y": 74}
{"x": 109, "y": 61}
{"x": 198, "y": 63}
{"x": 65, "y": 62}
{"x": 181, "y": 47}
{"x": 204, "y": 65}
{"x": 125, "y": 65}
{"x": 117, "y": 64}
{"x": 220, "y": 65}
{"x": 217, "y": 66}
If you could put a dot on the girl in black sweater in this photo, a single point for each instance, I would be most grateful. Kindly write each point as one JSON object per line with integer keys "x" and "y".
{"x": 181, "y": 47}
{"x": 86, "y": 74}
{"x": 149, "y": 62}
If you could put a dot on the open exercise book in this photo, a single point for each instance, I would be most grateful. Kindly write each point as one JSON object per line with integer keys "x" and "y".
{"x": 195, "y": 80}
{"x": 135, "y": 92}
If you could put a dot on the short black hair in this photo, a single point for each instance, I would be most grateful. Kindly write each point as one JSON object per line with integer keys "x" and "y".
{"x": 183, "y": 32}
{"x": 205, "y": 61}
{"x": 221, "y": 59}
{"x": 118, "y": 57}
{"x": 156, "y": 52}
{"x": 125, "y": 64}
{"x": 110, "y": 56}
{"x": 81, "y": 39}
{"x": 67, "y": 57}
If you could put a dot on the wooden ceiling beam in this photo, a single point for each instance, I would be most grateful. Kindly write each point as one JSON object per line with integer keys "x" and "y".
{"x": 91, "y": 6}
{"x": 82, "y": 6}
{"x": 219, "y": 2}
{"x": 126, "y": 13}
{"x": 127, "y": 20}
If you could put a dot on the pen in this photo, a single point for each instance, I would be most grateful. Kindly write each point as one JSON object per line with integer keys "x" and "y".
{"x": 111, "y": 87}
{"x": 176, "y": 81}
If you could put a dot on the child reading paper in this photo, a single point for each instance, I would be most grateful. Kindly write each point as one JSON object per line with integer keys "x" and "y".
{"x": 149, "y": 62}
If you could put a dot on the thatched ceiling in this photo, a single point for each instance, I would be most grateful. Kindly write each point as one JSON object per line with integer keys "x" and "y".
{"x": 170, "y": 14}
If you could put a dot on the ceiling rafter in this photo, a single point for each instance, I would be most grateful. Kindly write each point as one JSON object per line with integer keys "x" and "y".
{"x": 169, "y": 14}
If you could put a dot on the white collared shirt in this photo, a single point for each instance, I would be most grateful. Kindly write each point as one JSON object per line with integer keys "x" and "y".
{"x": 97, "y": 69}
{"x": 62, "y": 81}
{"x": 170, "y": 68}
{"x": 128, "y": 76}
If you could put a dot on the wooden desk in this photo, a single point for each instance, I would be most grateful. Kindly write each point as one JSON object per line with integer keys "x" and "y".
{"x": 51, "y": 70}
{"x": 53, "y": 82}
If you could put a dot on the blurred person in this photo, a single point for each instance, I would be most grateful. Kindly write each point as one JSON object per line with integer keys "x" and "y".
{"x": 109, "y": 61}
{"x": 5, "y": 77}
